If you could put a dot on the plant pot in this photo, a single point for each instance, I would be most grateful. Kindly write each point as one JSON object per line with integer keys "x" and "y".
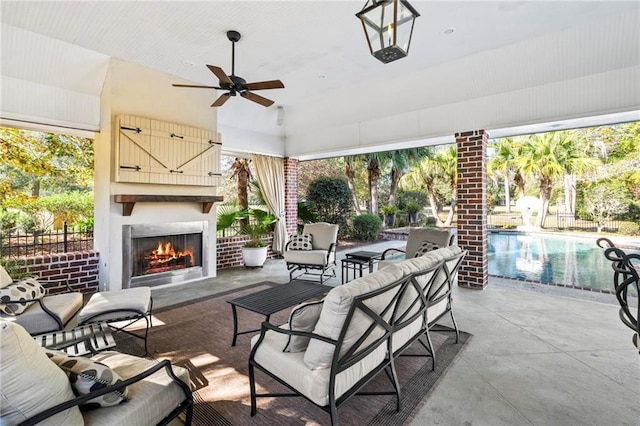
{"x": 413, "y": 217}
{"x": 390, "y": 219}
{"x": 254, "y": 257}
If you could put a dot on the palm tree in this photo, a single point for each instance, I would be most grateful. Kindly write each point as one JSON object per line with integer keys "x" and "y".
{"x": 349, "y": 171}
{"x": 447, "y": 160}
{"x": 503, "y": 165}
{"x": 425, "y": 174}
{"x": 401, "y": 160}
{"x": 242, "y": 174}
{"x": 548, "y": 157}
{"x": 374, "y": 162}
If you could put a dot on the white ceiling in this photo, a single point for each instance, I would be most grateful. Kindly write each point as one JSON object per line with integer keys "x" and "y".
{"x": 507, "y": 64}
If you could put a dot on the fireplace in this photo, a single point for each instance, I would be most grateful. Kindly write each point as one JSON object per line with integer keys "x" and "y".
{"x": 164, "y": 253}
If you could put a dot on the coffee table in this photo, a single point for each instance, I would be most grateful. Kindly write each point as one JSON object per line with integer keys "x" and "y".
{"x": 368, "y": 256}
{"x": 99, "y": 333}
{"x": 275, "y": 299}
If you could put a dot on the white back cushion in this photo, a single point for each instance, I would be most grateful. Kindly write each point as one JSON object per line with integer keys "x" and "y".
{"x": 31, "y": 383}
{"x": 5, "y": 279}
{"x": 438, "y": 236}
{"x": 335, "y": 310}
{"x": 324, "y": 234}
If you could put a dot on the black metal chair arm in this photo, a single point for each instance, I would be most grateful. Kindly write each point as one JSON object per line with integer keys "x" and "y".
{"x": 266, "y": 326}
{"x": 604, "y": 243}
{"x": 391, "y": 251}
{"x": 103, "y": 391}
{"x": 45, "y": 281}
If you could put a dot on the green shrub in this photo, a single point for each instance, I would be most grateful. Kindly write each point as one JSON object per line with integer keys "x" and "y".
{"x": 412, "y": 207}
{"x": 8, "y": 221}
{"x": 430, "y": 221}
{"x": 401, "y": 221}
{"x": 331, "y": 200}
{"x": 366, "y": 227}
{"x": 629, "y": 228}
{"x": 417, "y": 197}
{"x": 84, "y": 225}
{"x": 28, "y": 223}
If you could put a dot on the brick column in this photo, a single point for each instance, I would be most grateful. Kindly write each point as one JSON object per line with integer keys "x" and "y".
{"x": 291, "y": 194}
{"x": 472, "y": 207}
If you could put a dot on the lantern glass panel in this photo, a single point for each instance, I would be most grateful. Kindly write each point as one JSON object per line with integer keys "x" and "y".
{"x": 404, "y": 35}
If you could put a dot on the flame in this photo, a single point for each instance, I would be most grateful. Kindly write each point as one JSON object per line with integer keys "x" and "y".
{"x": 165, "y": 252}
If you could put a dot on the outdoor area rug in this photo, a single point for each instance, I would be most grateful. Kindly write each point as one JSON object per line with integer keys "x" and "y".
{"x": 197, "y": 336}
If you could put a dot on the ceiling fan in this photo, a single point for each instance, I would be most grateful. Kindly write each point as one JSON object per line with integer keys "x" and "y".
{"x": 234, "y": 84}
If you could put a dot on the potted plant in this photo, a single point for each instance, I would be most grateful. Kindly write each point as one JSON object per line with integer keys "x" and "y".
{"x": 389, "y": 212}
{"x": 412, "y": 209}
{"x": 255, "y": 222}
{"x": 259, "y": 225}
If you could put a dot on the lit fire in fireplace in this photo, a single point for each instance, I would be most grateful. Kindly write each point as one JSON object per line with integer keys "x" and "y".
{"x": 166, "y": 258}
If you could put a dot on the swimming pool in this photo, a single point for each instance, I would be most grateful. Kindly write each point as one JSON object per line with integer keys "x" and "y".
{"x": 560, "y": 260}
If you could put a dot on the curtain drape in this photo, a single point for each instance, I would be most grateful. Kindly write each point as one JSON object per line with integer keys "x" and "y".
{"x": 270, "y": 176}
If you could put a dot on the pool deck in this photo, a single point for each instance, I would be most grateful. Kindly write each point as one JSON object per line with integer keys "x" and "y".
{"x": 540, "y": 354}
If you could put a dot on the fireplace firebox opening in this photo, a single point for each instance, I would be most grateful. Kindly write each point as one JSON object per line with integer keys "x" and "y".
{"x": 164, "y": 253}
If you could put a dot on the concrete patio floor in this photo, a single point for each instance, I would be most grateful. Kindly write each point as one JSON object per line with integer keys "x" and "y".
{"x": 540, "y": 355}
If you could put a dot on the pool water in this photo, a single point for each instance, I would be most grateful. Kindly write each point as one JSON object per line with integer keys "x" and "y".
{"x": 560, "y": 260}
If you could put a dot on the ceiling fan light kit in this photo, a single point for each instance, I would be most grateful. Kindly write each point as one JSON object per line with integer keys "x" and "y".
{"x": 236, "y": 85}
{"x": 388, "y": 26}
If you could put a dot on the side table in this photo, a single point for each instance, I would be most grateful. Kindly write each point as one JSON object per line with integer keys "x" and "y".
{"x": 99, "y": 333}
{"x": 355, "y": 265}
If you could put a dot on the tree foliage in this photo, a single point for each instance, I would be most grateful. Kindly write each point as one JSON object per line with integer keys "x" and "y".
{"x": 35, "y": 164}
{"x": 331, "y": 199}
{"x": 366, "y": 227}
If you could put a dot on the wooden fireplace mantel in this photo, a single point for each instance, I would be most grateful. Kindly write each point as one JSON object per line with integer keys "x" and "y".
{"x": 128, "y": 201}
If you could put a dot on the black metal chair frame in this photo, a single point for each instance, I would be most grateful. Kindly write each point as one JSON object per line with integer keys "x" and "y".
{"x": 625, "y": 276}
{"x": 130, "y": 315}
{"x": 186, "y": 405}
{"x": 361, "y": 349}
{"x": 450, "y": 268}
{"x": 329, "y": 266}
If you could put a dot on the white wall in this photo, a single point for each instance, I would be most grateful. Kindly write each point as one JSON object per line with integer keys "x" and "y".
{"x": 135, "y": 90}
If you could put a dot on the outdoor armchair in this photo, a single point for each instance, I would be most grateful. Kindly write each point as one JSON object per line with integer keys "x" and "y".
{"x": 314, "y": 250}
{"x": 27, "y": 303}
{"x": 420, "y": 241}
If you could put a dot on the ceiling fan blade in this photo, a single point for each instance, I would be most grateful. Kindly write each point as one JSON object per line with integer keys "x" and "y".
{"x": 224, "y": 78}
{"x": 263, "y": 85}
{"x": 221, "y": 100}
{"x": 257, "y": 99}
{"x": 196, "y": 86}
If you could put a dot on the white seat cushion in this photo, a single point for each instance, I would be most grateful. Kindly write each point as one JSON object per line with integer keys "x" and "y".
{"x": 138, "y": 299}
{"x": 306, "y": 257}
{"x": 291, "y": 368}
{"x": 150, "y": 400}
{"x": 37, "y": 321}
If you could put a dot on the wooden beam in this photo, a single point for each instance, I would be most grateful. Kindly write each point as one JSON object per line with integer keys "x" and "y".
{"x": 128, "y": 201}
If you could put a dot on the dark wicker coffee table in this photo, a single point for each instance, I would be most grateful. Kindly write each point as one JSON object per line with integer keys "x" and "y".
{"x": 275, "y": 299}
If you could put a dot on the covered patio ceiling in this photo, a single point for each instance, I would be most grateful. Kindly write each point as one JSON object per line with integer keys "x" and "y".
{"x": 508, "y": 67}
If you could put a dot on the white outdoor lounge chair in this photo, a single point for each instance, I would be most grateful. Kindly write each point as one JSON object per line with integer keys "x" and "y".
{"x": 318, "y": 254}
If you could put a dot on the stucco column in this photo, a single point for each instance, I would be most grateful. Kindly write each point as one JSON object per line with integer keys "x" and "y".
{"x": 291, "y": 193}
{"x": 472, "y": 207}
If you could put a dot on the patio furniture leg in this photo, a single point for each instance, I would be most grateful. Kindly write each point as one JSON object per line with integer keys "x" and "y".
{"x": 235, "y": 325}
